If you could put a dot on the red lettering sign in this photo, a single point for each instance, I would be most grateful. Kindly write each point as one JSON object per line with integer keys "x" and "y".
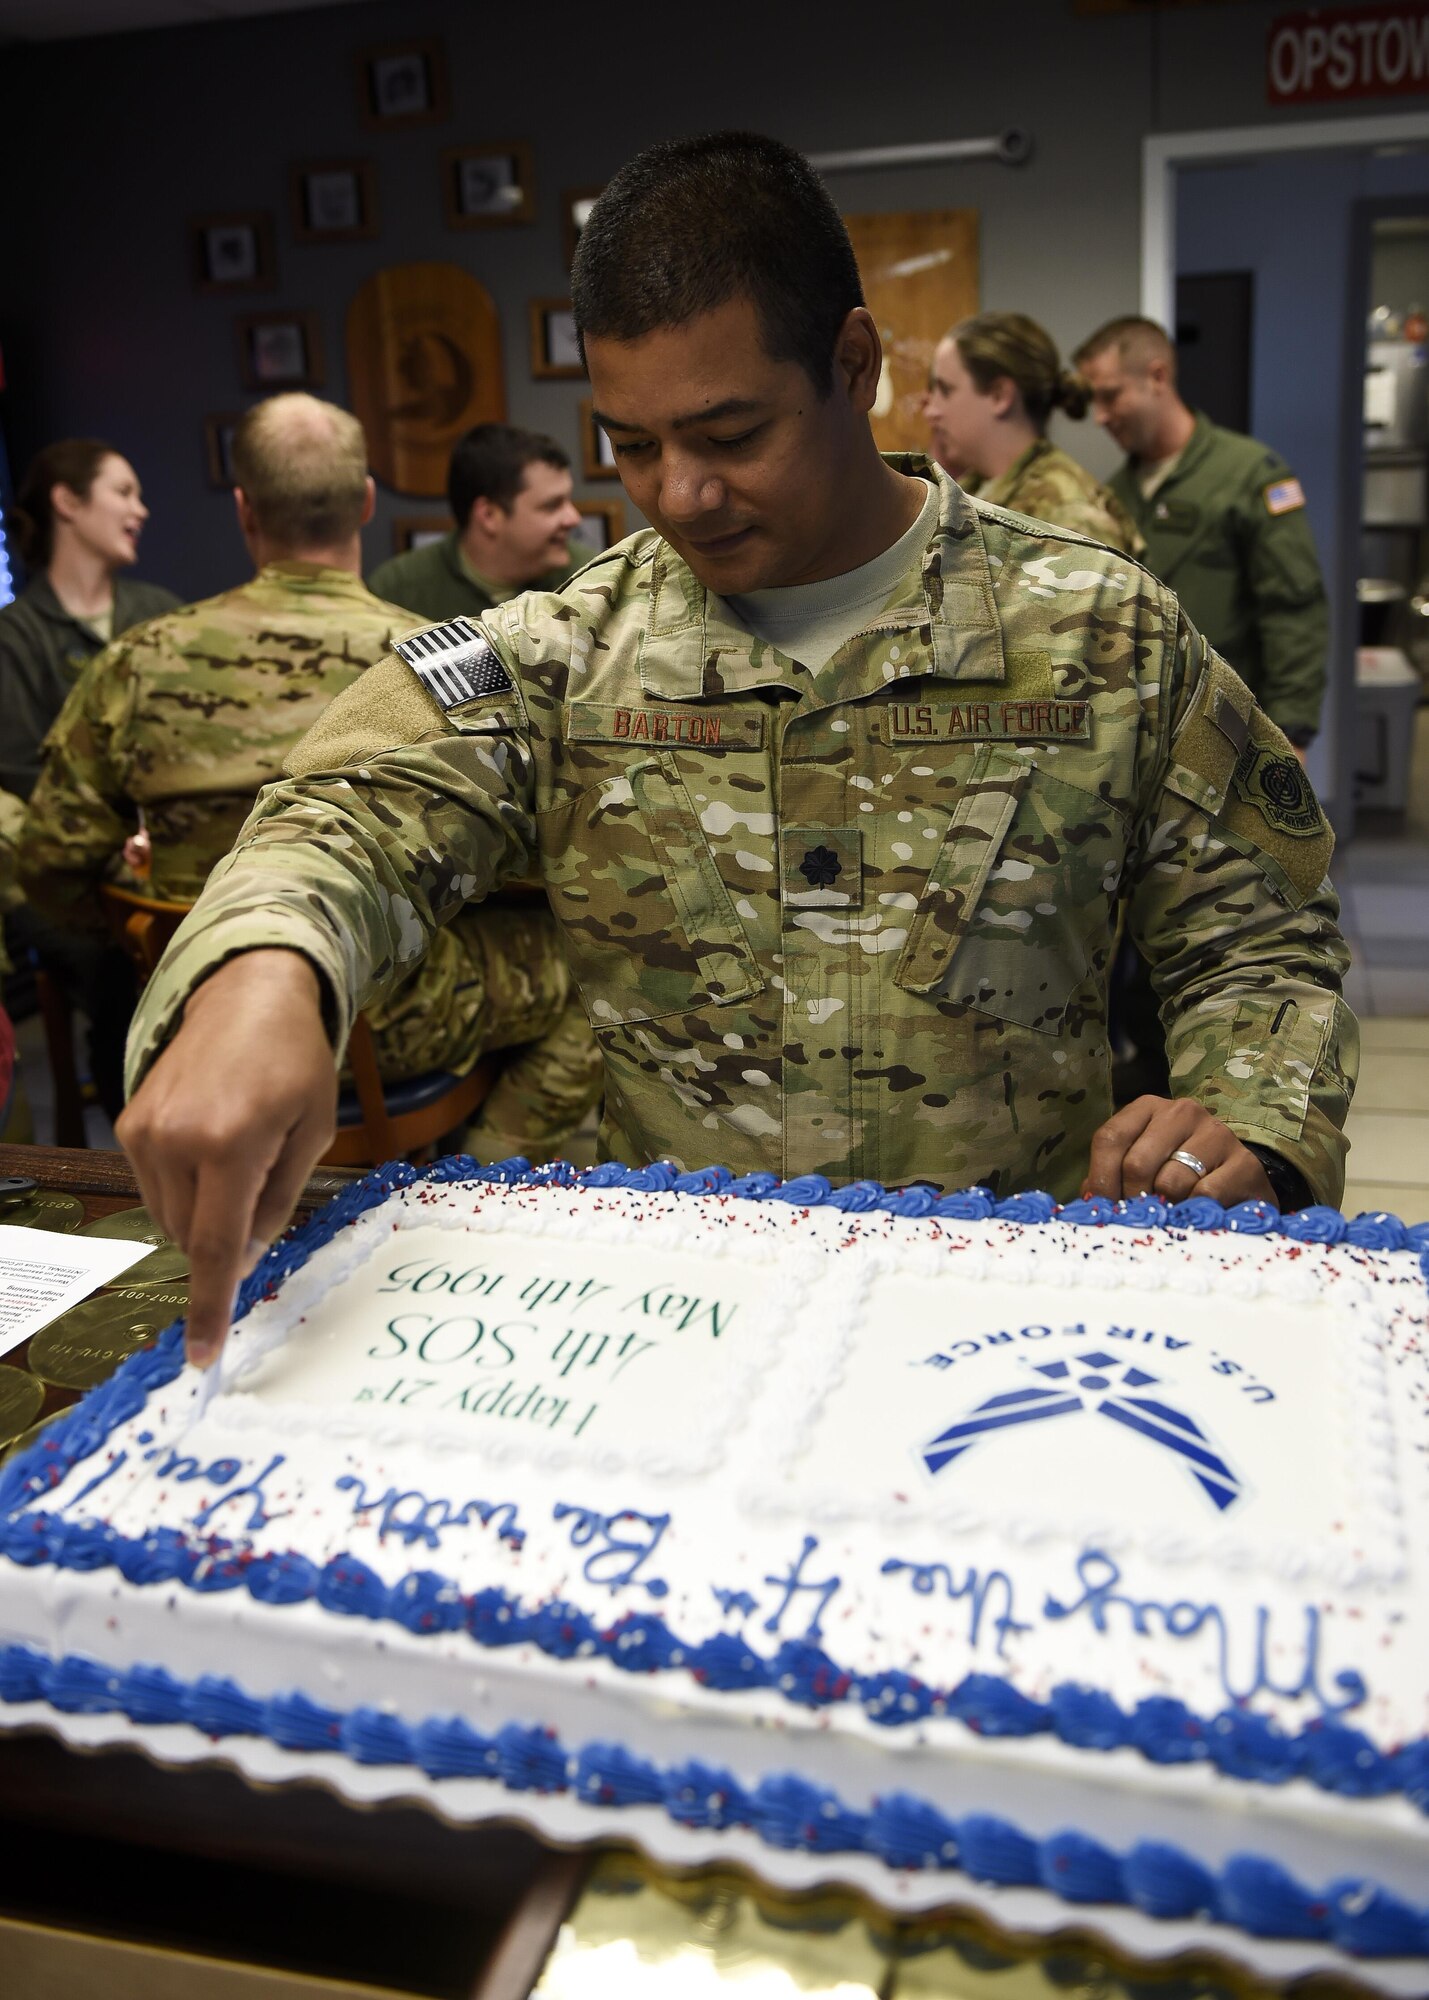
{"x": 1339, "y": 53}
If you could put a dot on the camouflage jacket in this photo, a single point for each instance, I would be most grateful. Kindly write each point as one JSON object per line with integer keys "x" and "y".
{"x": 857, "y": 922}
{"x": 183, "y": 721}
{"x": 43, "y": 650}
{"x": 1227, "y": 531}
{"x": 1047, "y": 484}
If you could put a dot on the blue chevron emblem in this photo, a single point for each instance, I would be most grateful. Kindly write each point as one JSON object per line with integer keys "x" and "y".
{"x": 1093, "y": 1385}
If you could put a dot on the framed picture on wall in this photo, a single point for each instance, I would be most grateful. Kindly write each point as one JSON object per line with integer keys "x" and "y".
{"x": 333, "y": 201}
{"x": 232, "y": 253}
{"x": 555, "y": 355}
{"x": 576, "y": 205}
{"x": 603, "y": 522}
{"x": 402, "y": 83}
{"x": 597, "y": 454}
{"x": 279, "y": 350}
{"x": 218, "y": 447}
{"x": 597, "y": 457}
{"x": 485, "y": 187}
{"x": 415, "y": 531}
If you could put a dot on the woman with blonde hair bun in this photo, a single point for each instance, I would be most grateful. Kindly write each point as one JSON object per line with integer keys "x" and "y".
{"x": 995, "y": 382}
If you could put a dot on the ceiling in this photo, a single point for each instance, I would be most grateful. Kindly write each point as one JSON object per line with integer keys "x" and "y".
{"x": 60, "y": 20}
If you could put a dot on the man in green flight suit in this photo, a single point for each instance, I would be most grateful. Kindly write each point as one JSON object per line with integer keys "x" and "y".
{"x": 834, "y": 778}
{"x": 1224, "y": 522}
{"x": 175, "y": 729}
{"x": 510, "y": 495}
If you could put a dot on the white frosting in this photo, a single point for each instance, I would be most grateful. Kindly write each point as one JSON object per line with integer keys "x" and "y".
{"x": 738, "y": 1380}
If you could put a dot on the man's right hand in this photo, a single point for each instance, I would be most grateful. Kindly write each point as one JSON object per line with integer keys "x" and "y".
{"x": 230, "y": 1121}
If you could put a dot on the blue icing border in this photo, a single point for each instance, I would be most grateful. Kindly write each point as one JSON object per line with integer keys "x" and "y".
{"x": 1252, "y": 1892}
{"x": 1327, "y": 1753}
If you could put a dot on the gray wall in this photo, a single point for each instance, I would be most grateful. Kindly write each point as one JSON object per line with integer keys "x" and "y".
{"x": 1289, "y": 219}
{"x": 118, "y": 140}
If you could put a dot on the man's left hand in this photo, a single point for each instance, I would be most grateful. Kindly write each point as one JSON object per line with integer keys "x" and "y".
{"x": 1133, "y": 1153}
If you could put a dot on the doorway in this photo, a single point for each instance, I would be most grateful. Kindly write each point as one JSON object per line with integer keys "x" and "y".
{"x": 1305, "y": 208}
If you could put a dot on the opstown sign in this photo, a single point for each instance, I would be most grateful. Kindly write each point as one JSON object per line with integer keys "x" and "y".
{"x": 1339, "y": 53}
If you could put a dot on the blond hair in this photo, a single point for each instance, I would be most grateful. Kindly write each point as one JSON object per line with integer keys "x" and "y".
{"x": 997, "y": 344}
{"x": 302, "y": 465}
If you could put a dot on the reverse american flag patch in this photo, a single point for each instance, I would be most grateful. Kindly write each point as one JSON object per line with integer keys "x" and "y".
{"x": 455, "y": 662}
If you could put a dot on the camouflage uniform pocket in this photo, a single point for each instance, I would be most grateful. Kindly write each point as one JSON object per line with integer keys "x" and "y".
{"x": 1022, "y": 897}
{"x": 649, "y": 927}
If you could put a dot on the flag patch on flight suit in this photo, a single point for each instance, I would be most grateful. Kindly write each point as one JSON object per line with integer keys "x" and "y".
{"x": 1283, "y": 496}
{"x": 455, "y": 662}
{"x": 1274, "y": 782}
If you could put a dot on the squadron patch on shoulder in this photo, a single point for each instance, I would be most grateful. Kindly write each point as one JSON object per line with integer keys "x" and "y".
{"x": 1283, "y": 496}
{"x": 1274, "y": 782}
{"x": 455, "y": 662}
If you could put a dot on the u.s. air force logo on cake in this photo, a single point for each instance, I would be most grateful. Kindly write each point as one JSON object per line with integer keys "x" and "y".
{"x": 1100, "y": 1385}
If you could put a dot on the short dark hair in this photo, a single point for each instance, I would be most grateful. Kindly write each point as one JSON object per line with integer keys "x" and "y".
{"x": 71, "y": 462}
{"x": 691, "y": 223}
{"x": 490, "y": 462}
{"x": 1136, "y": 339}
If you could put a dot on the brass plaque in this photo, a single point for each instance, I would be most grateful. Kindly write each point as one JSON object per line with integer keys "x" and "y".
{"x": 45, "y": 1209}
{"x": 159, "y": 1293}
{"x": 84, "y": 1346}
{"x": 159, "y": 1270}
{"x": 131, "y": 1225}
{"x": 20, "y": 1399}
{"x": 27, "y": 1438}
{"x": 135, "y": 1225}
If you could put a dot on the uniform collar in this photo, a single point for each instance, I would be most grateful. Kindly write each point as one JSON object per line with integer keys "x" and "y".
{"x": 943, "y": 619}
{"x": 292, "y": 575}
{"x": 1192, "y": 452}
{"x": 40, "y": 596}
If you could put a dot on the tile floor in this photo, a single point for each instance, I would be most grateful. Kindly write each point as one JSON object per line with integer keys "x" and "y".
{"x": 1389, "y": 1121}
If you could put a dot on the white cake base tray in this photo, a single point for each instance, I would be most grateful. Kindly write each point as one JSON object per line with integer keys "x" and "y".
{"x": 568, "y": 1824}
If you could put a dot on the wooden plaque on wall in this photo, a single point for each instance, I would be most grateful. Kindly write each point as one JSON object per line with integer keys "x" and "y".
{"x": 423, "y": 365}
{"x": 920, "y": 276}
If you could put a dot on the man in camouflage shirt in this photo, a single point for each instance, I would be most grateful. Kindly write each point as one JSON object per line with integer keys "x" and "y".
{"x": 840, "y": 903}
{"x": 178, "y": 726}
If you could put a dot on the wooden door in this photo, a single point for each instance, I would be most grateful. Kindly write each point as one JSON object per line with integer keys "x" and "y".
{"x": 920, "y": 276}
{"x": 423, "y": 365}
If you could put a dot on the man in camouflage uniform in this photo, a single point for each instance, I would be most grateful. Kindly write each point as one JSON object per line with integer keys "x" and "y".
{"x": 510, "y": 495}
{"x": 846, "y": 908}
{"x": 179, "y": 725}
{"x": 1224, "y": 523}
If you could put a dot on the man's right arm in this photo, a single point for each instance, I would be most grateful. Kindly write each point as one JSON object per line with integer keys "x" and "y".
{"x": 337, "y": 882}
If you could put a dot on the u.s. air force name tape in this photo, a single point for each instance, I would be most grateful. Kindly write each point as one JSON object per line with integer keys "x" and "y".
{"x": 454, "y": 662}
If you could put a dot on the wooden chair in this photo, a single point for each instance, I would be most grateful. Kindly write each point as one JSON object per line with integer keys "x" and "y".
{"x": 376, "y": 1121}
